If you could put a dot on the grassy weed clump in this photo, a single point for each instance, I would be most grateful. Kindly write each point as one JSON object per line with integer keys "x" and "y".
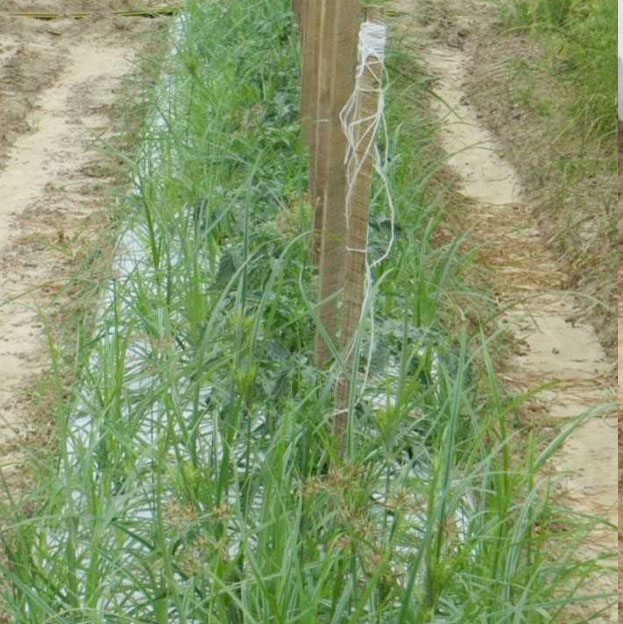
{"x": 546, "y": 13}
{"x": 583, "y": 43}
{"x": 197, "y": 479}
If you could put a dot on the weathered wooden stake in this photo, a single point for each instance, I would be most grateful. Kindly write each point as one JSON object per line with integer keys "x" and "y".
{"x": 360, "y": 170}
{"x": 320, "y": 112}
{"x": 338, "y": 60}
{"x": 314, "y": 108}
{"x": 310, "y": 100}
{"x": 297, "y": 5}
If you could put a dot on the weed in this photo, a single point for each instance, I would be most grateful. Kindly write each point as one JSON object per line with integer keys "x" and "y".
{"x": 583, "y": 40}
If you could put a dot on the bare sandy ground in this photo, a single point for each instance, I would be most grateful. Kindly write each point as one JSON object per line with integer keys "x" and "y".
{"x": 60, "y": 84}
{"x": 556, "y": 348}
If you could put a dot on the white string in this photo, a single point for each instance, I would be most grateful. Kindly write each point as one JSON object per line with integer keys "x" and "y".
{"x": 372, "y": 41}
{"x": 372, "y": 44}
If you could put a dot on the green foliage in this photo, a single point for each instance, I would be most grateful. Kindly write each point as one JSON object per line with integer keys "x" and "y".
{"x": 546, "y": 13}
{"x": 583, "y": 42}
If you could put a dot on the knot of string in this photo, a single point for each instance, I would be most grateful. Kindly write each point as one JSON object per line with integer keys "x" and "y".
{"x": 372, "y": 43}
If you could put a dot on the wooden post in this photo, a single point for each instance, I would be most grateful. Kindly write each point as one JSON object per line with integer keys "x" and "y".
{"x": 311, "y": 31}
{"x": 322, "y": 75}
{"x": 360, "y": 170}
{"x": 297, "y": 6}
{"x": 338, "y": 60}
{"x": 308, "y": 40}
{"x": 312, "y": 47}
{"x": 321, "y": 111}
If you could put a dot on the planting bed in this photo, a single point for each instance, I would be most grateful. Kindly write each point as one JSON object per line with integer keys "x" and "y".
{"x": 196, "y": 478}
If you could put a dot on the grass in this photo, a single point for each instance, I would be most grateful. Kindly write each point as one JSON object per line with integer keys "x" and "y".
{"x": 582, "y": 39}
{"x": 197, "y": 479}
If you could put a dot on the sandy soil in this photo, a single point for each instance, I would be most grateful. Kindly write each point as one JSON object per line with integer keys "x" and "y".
{"x": 59, "y": 87}
{"x": 555, "y": 347}
{"x": 513, "y": 85}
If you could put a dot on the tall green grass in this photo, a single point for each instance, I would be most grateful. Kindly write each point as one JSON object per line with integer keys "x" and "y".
{"x": 583, "y": 42}
{"x": 197, "y": 479}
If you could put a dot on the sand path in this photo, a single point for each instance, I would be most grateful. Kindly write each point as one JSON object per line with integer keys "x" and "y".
{"x": 60, "y": 86}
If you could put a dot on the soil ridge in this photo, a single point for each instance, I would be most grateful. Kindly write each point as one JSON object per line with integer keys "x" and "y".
{"x": 554, "y": 346}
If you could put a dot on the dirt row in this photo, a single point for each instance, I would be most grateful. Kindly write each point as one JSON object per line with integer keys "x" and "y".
{"x": 61, "y": 86}
{"x": 567, "y": 173}
{"x": 553, "y": 344}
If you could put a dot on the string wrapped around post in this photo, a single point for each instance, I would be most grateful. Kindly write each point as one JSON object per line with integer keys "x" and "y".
{"x": 361, "y": 118}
